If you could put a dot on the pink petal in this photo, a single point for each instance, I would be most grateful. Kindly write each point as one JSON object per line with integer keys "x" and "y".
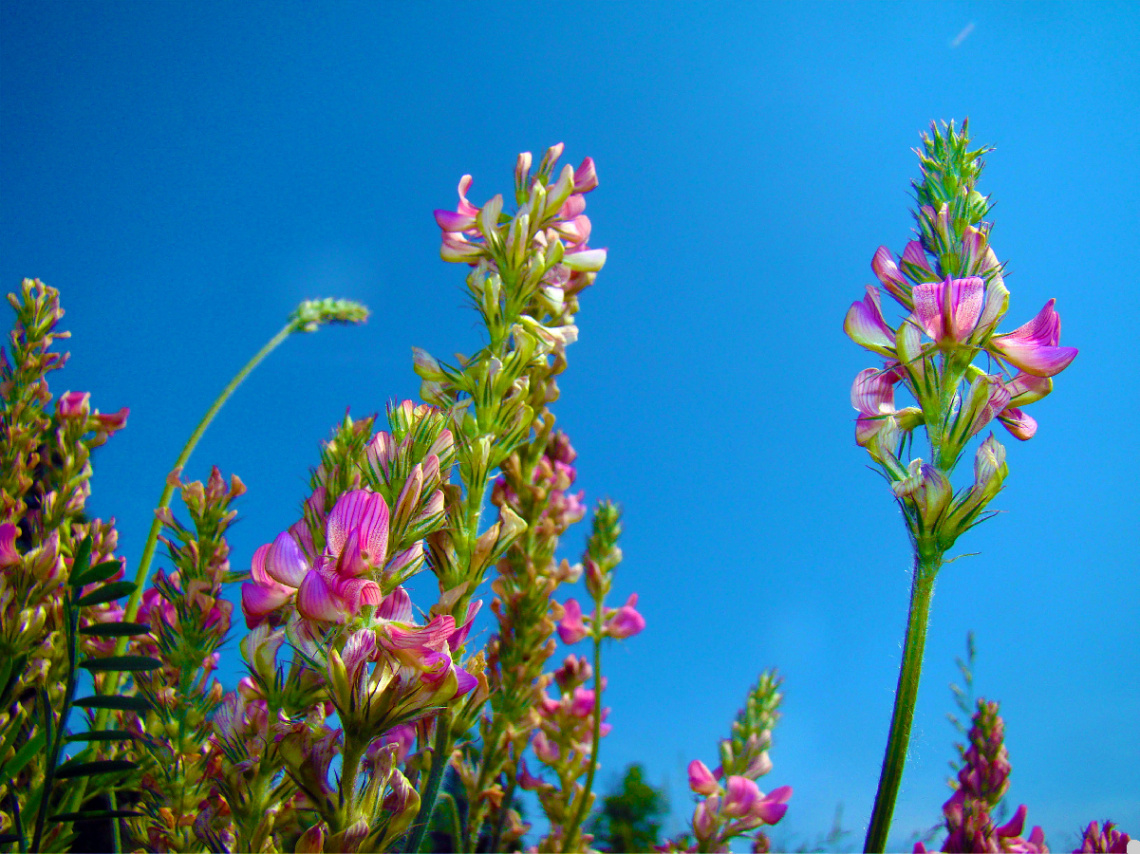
{"x": 585, "y": 176}
{"x": 1022, "y": 426}
{"x": 8, "y": 554}
{"x": 873, "y": 392}
{"x": 397, "y": 606}
{"x": 949, "y": 310}
{"x": 1033, "y": 346}
{"x": 357, "y": 592}
{"x": 866, "y": 327}
{"x": 701, "y": 779}
{"x": 915, "y": 264}
{"x": 887, "y": 272}
{"x": 740, "y": 796}
{"x": 285, "y": 562}
{"x": 257, "y": 602}
{"x": 453, "y": 221}
{"x": 315, "y": 600}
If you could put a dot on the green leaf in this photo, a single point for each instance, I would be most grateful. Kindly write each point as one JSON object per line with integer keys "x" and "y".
{"x": 100, "y": 735}
{"x": 82, "y": 560}
{"x": 121, "y": 662}
{"x": 115, "y": 630}
{"x": 87, "y": 769}
{"x": 91, "y": 815}
{"x": 23, "y": 756}
{"x": 107, "y": 593}
{"x": 99, "y": 572}
{"x": 114, "y": 701}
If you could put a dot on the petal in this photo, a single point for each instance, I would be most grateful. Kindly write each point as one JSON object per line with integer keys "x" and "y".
{"x": 397, "y": 606}
{"x": 365, "y": 514}
{"x": 873, "y": 393}
{"x": 585, "y": 261}
{"x": 867, "y": 328}
{"x": 315, "y": 600}
{"x": 1025, "y": 389}
{"x": 741, "y": 794}
{"x": 257, "y": 601}
{"x": 949, "y": 310}
{"x": 585, "y": 176}
{"x": 1022, "y": 426}
{"x": 357, "y": 592}
{"x": 453, "y": 221}
{"x": 285, "y": 562}
{"x": 701, "y": 780}
{"x": 1033, "y": 346}
{"x": 915, "y": 265}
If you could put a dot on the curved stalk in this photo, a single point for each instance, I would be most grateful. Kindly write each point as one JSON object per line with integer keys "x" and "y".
{"x": 143, "y": 571}
{"x": 922, "y": 590}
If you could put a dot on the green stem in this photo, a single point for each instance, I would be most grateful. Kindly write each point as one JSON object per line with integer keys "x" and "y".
{"x": 570, "y": 837}
{"x": 441, "y": 753}
{"x": 922, "y": 590}
{"x": 142, "y": 574}
{"x": 508, "y": 797}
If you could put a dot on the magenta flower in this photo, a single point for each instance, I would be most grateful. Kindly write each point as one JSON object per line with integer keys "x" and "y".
{"x": 8, "y": 554}
{"x": 1033, "y": 347}
{"x": 1107, "y": 841}
{"x": 625, "y": 622}
{"x": 571, "y": 628}
{"x": 701, "y": 780}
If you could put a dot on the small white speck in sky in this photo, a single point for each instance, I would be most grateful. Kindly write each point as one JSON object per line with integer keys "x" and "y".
{"x": 961, "y": 37}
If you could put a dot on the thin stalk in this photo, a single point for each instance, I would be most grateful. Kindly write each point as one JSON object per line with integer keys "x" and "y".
{"x": 921, "y": 592}
{"x": 570, "y": 836}
{"x": 143, "y": 572}
{"x": 508, "y": 796}
{"x": 441, "y": 751}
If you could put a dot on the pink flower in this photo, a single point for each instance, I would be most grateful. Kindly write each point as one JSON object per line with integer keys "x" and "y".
{"x": 1033, "y": 347}
{"x": 8, "y": 554}
{"x": 626, "y": 621}
{"x": 571, "y": 628}
{"x": 701, "y": 779}
{"x": 73, "y": 404}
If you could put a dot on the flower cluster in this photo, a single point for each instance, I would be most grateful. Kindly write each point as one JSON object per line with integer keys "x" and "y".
{"x": 982, "y": 783}
{"x": 950, "y": 284}
{"x": 732, "y": 804}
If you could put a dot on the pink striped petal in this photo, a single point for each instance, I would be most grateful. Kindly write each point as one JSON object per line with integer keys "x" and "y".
{"x": 1022, "y": 426}
{"x": 1033, "y": 346}
{"x": 949, "y": 310}
{"x": 284, "y": 561}
{"x": 915, "y": 264}
{"x": 259, "y": 601}
{"x": 867, "y": 328}
{"x": 315, "y": 600}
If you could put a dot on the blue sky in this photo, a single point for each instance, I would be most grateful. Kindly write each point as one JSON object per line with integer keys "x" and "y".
{"x": 186, "y": 173}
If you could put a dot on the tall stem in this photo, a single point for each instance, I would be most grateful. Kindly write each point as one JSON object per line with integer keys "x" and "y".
{"x": 922, "y": 590}
{"x": 143, "y": 571}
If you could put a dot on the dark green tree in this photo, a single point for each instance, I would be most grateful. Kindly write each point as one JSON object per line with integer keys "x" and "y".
{"x": 629, "y": 820}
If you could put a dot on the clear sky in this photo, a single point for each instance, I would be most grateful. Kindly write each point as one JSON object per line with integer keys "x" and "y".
{"x": 185, "y": 173}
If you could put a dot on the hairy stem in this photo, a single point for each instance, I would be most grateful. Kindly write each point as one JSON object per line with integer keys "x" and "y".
{"x": 922, "y": 590}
